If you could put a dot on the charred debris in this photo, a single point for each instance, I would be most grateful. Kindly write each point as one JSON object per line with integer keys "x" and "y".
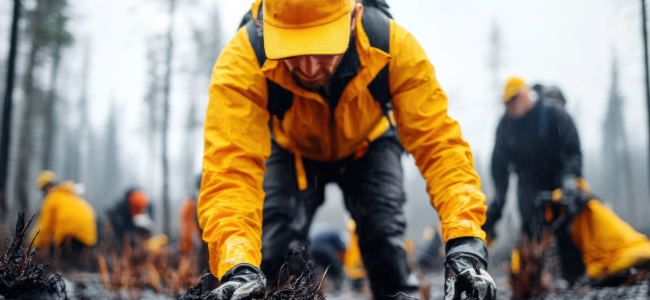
{"x": 289, "y": 286}
{"x": 20, "y": 277}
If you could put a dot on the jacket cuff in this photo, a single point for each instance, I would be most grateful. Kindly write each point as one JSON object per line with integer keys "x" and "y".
{"x": 470, "y": 246}
{"x": 235, "y": 251}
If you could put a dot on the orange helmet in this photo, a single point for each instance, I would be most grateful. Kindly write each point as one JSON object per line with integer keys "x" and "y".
{"x": 138, "y": 202}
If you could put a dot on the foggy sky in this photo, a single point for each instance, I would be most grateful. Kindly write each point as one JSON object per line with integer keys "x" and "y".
{"x": 568, "y": 43}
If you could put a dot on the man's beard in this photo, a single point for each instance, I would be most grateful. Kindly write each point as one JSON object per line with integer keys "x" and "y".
{"x": 313, "y": 86}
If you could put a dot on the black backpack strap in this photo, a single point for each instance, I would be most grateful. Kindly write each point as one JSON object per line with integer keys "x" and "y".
{"x": 376, "y": 24}
{"x": 280, "y": 99}
{"x": 256, "y": 38}
{"x": 247, "y": 18}
{"x": 379, "y": 4}
{"x": 256, "y": 35}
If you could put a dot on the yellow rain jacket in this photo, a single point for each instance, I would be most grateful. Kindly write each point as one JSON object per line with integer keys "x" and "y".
{"x": 238, "y": 139}
{"x": 608, "y": 244}
{"x": 64, "y": 214}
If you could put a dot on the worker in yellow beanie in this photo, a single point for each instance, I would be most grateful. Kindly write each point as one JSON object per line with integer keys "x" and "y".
{"x": 65, "y": 218}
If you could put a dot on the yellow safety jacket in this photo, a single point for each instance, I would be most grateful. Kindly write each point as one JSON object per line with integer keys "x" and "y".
{"x": 608, "y": 244}
{"x": 238, "y": 139}
{"x": 65, "y": 214}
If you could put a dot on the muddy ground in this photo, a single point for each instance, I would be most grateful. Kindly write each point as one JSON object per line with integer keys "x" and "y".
{"x": 639, "y": 291}
{"x": 88, "y": 286}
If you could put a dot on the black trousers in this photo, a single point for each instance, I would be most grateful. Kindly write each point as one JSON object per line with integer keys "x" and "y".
{"x": 533, "y": 225}
{"x": 374, "y": 195}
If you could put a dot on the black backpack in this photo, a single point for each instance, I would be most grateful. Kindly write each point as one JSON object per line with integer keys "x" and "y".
{"x": 376, "y": 25}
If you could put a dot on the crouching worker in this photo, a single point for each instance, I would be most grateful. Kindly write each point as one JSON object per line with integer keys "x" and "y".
{"x": 130, "y": 218}
{"x": 608, "y": 246}
{"x": 67, "y": 223}
{"x": 301, "y": 97}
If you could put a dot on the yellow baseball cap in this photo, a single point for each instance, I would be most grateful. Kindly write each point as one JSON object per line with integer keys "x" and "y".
{"x": 306, "y": 27}
{"x": 513, "y": 86}
{"x": 44, "y": 178}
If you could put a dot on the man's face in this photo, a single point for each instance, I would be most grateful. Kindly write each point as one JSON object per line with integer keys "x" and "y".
{"x": 313, "y": 71}
{"x": 519, "y": 105}
{"x": 47, "y": 188}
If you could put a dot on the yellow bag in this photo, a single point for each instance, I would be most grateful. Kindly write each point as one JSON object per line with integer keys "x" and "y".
{"x": 608, "y": 244}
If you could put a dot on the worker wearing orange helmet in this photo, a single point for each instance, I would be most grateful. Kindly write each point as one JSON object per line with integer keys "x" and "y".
{"x": 130, "y": 218}
{"x": 310, "y": 92}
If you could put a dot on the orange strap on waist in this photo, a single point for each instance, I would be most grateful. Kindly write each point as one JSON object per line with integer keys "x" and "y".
{"x": 300, "y": 172}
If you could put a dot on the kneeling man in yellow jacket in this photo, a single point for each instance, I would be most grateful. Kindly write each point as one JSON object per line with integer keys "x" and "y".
{"x": 311, "y": 92}
{"x": 65, "y": 219}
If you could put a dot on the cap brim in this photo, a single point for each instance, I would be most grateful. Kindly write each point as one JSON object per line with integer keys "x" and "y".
{"x": 328, "y": 39}
{"x": 511, "y": 93}
{"x": 511, "y": 98}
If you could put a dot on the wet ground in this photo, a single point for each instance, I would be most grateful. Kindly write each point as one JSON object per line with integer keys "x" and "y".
{"x": 639, "y": 291}
{"x": 88, "y": 286}
{"x": 436, "y": 292}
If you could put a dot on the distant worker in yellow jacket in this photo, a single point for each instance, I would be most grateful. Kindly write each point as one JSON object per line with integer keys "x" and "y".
{"x": 310, "y": 92}
{"x": 65, "y": 219}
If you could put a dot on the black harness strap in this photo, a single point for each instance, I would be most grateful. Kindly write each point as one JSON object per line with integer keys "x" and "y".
{"x": 377, "y": 27}
{"x": 379, "y": 4}
{"x": 280, "y": 99}
{"x": 375, "y": 23}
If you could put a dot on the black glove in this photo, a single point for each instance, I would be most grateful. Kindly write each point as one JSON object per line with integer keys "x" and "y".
{"x": 465, "y": 271}
{"x": 242, "y": 282}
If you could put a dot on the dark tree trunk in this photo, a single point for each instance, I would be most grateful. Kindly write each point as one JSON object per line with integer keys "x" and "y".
{"x": 49, "y": 107}
{"x": 165, "y": 124}
{"x": 25, "y": 144}
{"x": 5, "y": 141}
{"x": 647, "y": 71}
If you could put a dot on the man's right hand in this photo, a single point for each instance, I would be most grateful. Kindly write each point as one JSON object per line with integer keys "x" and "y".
{"x": 465, "y": 271}
{"x": 243, "y": 282}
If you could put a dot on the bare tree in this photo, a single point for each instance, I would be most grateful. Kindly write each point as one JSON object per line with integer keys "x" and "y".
{"x": 616, "y": 149}
{"x": 84, "y": 125}
{"x": 46, "y": 28}
{"x": 35, "y": 17}
{"x": 208, "y": 45}
{"x": 111, "y": 165}
{"x": 646, "y": 68}
{"x": 165, "y": 121}
{"x": 495, "y": 60}
{"x": 7, "y": 110}
{"x": 59, "y": 39}
{"x": 151, "y": 99}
